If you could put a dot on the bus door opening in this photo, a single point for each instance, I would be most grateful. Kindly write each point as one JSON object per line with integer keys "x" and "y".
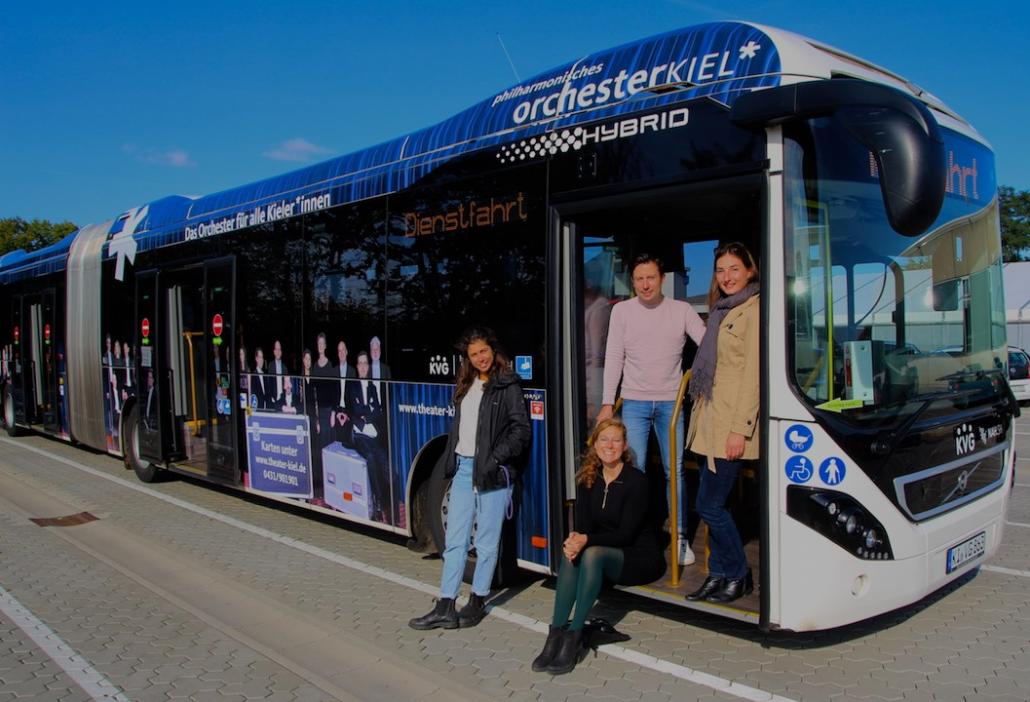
{"x": 199, "y": 359}
{"x": 40, "y": 370}
{"x": 20, "y": 364}
{"x": 682, "y": 227}
{"x": 48, "y": 393}
{"x": 157, "y": 442}
{"x": 185, "y": 354}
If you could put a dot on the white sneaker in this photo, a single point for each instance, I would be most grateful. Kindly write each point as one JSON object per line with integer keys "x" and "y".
{"x": 686, "y": 555}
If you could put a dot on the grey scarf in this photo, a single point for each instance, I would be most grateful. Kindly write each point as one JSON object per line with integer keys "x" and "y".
{"x": 702, "y": 376}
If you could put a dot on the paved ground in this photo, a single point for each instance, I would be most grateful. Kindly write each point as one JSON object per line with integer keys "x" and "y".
{"x": 180, "y": 591}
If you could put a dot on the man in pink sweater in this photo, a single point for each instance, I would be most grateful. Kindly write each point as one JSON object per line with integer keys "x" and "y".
{"x": 645, "y": 349}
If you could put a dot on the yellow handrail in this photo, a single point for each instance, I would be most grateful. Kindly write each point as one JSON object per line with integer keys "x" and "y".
{"x": 193, "y": 380}
{"x": 674, "y": 480}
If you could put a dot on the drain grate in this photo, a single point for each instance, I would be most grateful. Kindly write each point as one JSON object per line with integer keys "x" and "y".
{"x": 69, "y": 520}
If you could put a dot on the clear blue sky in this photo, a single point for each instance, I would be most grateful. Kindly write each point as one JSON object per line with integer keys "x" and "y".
{"x": 105, "y": 106}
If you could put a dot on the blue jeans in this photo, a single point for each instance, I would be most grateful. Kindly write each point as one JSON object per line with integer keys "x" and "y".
{"x": 639, "y": 416}
{"x": 727, "y": 559}
{"x": 467, "y": 507}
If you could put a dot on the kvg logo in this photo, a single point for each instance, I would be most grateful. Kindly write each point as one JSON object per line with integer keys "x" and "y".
{"x": 438, "y": 365}
{"x": 965, "y": 439}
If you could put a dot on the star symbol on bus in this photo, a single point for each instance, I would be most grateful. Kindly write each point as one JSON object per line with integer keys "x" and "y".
{"x": 749, "y": 49}
{"x": 123, "y": 244}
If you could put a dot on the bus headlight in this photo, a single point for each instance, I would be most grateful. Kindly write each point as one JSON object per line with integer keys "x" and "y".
{"x": 848, "y": 520}
{"x": 841, "y": 519}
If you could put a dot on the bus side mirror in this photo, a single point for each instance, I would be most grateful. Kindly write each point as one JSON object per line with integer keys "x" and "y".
{"x": 899, "y": 131}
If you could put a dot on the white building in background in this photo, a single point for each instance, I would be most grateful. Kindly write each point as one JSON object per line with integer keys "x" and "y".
{"x": 1017, "y": 303}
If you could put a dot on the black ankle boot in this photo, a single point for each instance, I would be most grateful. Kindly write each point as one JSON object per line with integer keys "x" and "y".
{"x": 734, "y": 588}
{"x": 551, "y": 645}
{"x": 442, "y": 616}
{"x": 473, "y": 612}
{"x": 570, "y": 649}
{"x": 713, "y": 583}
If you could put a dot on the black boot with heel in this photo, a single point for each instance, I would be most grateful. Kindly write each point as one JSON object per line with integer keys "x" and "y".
{"x": 570, "y": 652}
{"x": 551, "y": 645}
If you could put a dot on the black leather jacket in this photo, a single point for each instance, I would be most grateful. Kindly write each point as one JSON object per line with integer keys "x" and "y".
{"x": 502, "y": 434}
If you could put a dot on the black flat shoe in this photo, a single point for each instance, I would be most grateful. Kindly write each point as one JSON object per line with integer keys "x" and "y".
{"x": 734, "y": 588}
{"x": 712, "y": 583}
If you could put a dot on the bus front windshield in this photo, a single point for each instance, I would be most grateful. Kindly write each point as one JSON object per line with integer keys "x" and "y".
{"x": 883, "y": 325}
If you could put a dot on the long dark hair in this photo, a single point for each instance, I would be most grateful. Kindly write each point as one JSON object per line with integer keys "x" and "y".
{"x": 467, "y": 373}
{"x": 590, "y": 463}
{"x": 734, "y": 248}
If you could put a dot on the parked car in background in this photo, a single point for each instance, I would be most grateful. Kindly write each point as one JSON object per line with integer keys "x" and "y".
{"x": 906, "y": 349}
{"x": 1019, "y": 374}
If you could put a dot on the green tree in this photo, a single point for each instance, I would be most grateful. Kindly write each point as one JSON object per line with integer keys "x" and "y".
{"x": 16, "y": 233}
{"x": 1015, "y": 223}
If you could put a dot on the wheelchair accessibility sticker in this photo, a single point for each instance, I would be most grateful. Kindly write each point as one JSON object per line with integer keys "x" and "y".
{"x": 798, "y": 438}
{"x": 832, "y": 471}
{"x": 799, "y": 469}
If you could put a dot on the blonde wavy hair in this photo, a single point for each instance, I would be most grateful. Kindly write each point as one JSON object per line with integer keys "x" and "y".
{"x": 590, "y": 463}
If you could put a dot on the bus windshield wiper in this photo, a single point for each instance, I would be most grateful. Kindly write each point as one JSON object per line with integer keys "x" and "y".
{"x": 885, "y": 443}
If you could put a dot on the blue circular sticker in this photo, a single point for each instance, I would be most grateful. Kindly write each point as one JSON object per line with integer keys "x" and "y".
{"x": 798, "y": 469}
{"x": 832, "y": 471}
{"x": 798, "y": 438}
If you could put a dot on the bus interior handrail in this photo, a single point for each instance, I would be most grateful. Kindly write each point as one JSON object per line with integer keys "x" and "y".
{"x": 188, "y": 335}
{"x": 674, "y": 479}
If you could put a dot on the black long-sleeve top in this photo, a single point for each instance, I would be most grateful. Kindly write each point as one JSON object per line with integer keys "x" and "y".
{"x": 621, "y": 520}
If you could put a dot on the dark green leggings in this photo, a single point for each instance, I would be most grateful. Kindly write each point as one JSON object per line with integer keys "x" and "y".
{"x": 579, "y": 583}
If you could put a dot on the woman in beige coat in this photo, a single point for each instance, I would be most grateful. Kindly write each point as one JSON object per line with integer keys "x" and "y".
{"x": 724, "y": 420}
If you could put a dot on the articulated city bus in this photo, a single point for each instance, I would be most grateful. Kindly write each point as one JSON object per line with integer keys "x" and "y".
{"x": 221, "y": 336}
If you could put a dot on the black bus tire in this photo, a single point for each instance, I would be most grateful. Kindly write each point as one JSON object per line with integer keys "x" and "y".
{"x": 506, "y": 570}
{"x": 9, "y": 420}
{"x": 422, "y": 540}
{"x": 146, "y": 471}
{"x": 438, "y": 488}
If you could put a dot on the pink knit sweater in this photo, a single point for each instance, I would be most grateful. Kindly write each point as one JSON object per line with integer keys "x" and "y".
{"x": 645, "y": 348}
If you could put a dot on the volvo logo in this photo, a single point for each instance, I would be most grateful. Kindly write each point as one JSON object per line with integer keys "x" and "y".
{"x": 963, "y": 483}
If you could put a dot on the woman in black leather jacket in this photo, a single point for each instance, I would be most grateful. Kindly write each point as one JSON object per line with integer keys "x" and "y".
{"x": 489, "y": 433}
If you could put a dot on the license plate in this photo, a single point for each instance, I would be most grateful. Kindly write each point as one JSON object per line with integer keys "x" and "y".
{"x": 966, "y": 551}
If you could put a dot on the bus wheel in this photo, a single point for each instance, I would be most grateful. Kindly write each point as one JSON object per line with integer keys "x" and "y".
{"x": 144, "y": 469}
{"x": 438, "y": 494}
{"x": 9, "y": 425}
{"x": 422, "y": 540}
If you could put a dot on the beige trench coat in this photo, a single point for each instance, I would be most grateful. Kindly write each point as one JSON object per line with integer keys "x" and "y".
{"x": 734, "y": 403}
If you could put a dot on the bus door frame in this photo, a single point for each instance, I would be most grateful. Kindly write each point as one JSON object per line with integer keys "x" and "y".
{"x": 18, "y": 361}
{"x": 222, "y": 463}
{"x": 35, "y": 387}
{"x": 567, "y": 330}
{"x": 157, "y": 441}
{"x": 48, "y": 318}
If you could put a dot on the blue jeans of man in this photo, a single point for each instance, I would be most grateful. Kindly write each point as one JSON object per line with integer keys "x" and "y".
{"x": 639, "y": 416}
{"x": 465, "y": 508}
{"x": 726, "y": 559}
